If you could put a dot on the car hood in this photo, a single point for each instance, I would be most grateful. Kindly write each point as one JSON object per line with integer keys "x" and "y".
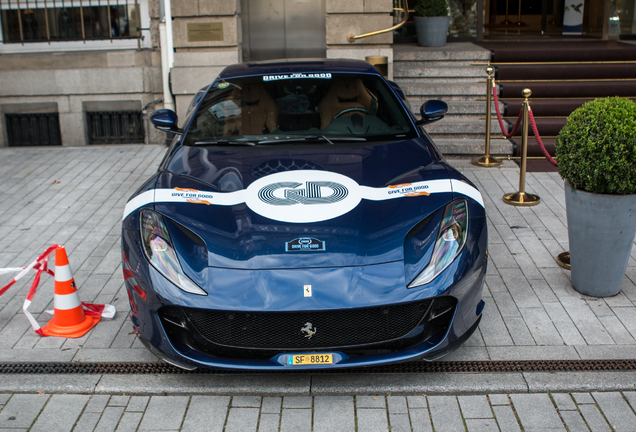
{"x": 303, "y": 207}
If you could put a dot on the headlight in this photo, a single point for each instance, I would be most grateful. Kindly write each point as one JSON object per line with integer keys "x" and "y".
{"x": 450, "y": 241}
{"x": 161, "y": 254}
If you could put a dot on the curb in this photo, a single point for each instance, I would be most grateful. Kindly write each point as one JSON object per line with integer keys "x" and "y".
{"x": 321, "y": 384}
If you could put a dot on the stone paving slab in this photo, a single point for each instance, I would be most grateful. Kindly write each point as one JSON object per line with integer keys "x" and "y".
{"x": 598, "y": 411}
{"x": 76, "y": 196}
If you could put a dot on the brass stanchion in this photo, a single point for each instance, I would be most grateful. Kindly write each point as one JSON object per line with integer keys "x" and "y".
{"x": 519, "y": 22}
{"x": 563, "y": 259}
{"x": 486, "y": 160}
{"x": 506, "y": 21}
{"x": 521, "y": 198}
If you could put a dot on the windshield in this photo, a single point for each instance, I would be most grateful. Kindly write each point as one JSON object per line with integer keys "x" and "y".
{"x": 272, "y": 108}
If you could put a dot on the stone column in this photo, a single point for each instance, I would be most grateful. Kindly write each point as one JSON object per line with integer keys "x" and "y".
{"x": 206, "y": 39}
{"x": 345, "y": 17}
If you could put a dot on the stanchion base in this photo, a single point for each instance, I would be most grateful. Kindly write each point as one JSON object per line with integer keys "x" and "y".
{"x": 521, "y": 199}
{"x": 486, "y": 161}
{"x": 563, "y": 259}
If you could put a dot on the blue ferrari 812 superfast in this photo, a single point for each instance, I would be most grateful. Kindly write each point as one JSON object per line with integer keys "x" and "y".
{"x": 303, "y": 218}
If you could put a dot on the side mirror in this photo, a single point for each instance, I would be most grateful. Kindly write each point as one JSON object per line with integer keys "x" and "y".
{"x": 432, "y": 111}
{"x": 165, "y": 120}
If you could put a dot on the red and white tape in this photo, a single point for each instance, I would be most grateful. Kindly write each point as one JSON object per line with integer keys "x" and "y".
{"x": 41, "y": 265}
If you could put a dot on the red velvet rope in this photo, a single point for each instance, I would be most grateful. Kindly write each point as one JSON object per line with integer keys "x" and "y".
{"x": 535, "y": 131}
{"x": 501, "y": 123}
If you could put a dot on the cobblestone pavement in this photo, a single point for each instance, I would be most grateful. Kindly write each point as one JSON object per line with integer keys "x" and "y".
{"x": 608, "y": 411}
{"x": 76, "y": 196}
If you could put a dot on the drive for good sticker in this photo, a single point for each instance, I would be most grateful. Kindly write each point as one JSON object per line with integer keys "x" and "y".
{"x": 296, "y": 75}
{"x": 409, "y": 190}
{"x": 193, "y": 196}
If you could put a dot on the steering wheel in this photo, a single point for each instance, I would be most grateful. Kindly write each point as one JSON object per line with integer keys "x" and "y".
{"x": 348, "y": 110}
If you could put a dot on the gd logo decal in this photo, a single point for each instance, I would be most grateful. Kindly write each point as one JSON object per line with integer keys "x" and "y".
{"x": 312, "y": 194}
{"x": 302, "y": 196}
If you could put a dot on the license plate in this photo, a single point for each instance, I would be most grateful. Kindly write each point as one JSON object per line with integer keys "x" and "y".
{"x": 309, "y": 359}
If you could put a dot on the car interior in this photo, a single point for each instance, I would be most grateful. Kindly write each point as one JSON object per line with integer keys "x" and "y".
{"x": 342, "y": 105}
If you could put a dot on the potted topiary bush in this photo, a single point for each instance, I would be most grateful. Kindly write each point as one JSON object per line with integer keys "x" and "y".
{"x": 431, "y": 22}
{"x": 596, "y": 152}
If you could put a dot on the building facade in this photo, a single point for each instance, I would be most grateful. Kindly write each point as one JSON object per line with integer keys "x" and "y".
{"x": 81, "y": 72}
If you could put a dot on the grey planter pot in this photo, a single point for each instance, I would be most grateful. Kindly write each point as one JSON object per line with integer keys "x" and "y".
{"x": 432, "y": 31}
{"x": 601, "y": 229}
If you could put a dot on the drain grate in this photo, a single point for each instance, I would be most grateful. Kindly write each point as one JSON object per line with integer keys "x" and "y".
{"x": 414, "y": 367}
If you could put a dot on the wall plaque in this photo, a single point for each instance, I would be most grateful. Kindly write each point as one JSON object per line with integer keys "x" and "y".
{"x": 205, "y": 32}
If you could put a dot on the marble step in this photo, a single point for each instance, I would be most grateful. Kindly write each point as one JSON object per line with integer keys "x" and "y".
{"x": 442, "y": 81}
{"x": 451, "y": 51}
{"x": 458, "y": 127}
{"x": 458, "y": 107}
{"x": 435, "y": 91}
{"x": 471, "y": 146}
{"x": 425, "y": 70}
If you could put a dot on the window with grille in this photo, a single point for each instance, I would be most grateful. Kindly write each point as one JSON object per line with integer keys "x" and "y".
{"x": 115, "y": 127}
{"x": 33, "y": 129}
{"x": 27, "y": 21}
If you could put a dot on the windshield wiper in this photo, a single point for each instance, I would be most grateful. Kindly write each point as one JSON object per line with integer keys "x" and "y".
{"x": 311, "y": 138}
{"x": 224, "y": 142}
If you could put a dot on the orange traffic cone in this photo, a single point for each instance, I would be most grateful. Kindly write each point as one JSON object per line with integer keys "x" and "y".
{"x": 69, "y": 319}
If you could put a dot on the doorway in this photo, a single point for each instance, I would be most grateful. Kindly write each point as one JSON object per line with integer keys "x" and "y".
{"x": 544, "y": 18}
{"x": 279, "y": 29}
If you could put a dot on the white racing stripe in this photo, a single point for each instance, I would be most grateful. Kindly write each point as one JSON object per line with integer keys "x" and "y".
{"x": 139, "y": 201}
{"x": 200, "y": 197}
{"x": 303, "y": 196}
{"x": 466, "y": 189}
{"x": 66, "y": 301}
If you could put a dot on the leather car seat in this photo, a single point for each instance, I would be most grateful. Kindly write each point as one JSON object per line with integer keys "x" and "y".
{"x": 345, "y": 93}
{"x": 259, "y": 111}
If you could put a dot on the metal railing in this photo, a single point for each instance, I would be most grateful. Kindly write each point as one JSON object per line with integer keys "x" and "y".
{"x": 405, "y": 8}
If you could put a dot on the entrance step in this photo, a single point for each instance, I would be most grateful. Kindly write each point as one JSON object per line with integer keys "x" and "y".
{"x": 449, "y": 125}
{"x": 441, "y": 81}
{"x": 445, "y": 70}
{"x": 562, "y": 76}
{"x": 459, "y": 107}
{"x": 467, "y": 91}
{"x": 472, "y": 146}
{"x": 456, "y": 74}
{"x": 456, "y": 51}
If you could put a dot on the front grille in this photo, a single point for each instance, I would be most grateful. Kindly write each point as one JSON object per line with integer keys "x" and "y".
{"x": 33, "y": 129}
{"x": 282, "y": 330}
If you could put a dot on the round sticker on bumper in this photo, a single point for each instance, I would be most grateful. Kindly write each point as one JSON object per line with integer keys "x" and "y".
{"x": 303, "y": 196}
